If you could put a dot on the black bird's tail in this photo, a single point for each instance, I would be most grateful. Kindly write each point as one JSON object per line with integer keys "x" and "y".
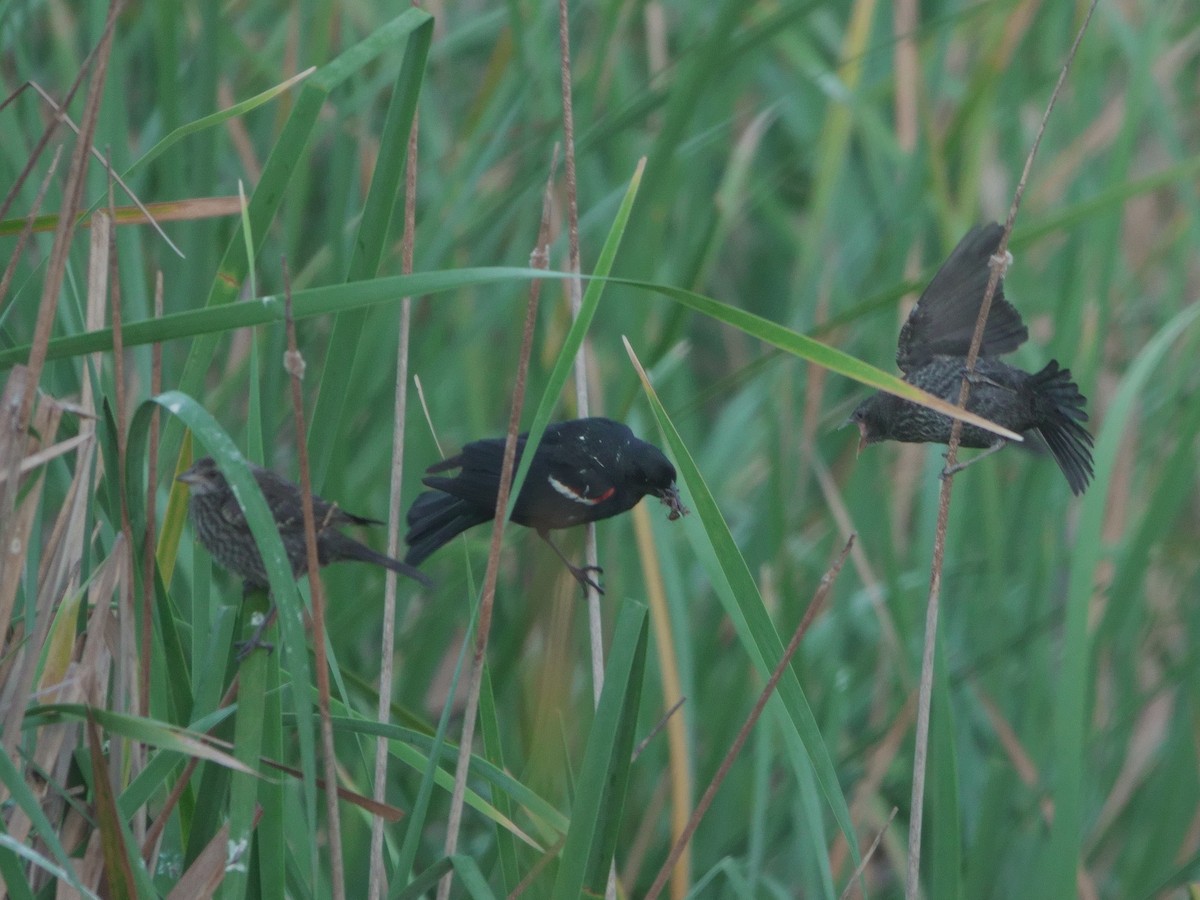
{"x": 435, "y": 519}
{"x": 1059, "y": 409}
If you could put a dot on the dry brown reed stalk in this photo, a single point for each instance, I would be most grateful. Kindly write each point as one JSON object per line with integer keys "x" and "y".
{"x": 377, "y": 884}
{"x": 539, "y": 260}
{"x": 62, "y": 553}
{"x": 293, "y": 362}
{"x": 21, "y": 388}
{"x": 575, "y": 291}
{"x": 999, "y": 262}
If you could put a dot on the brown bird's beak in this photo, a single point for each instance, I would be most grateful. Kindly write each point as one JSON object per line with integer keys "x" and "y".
{"x": 863, "y": 440}
{"x": 670, "y": 499}
{"x": 188, "y": 476}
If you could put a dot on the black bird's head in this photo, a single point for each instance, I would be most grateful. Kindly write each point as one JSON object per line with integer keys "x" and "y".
{"x": 873, "y": 417}
{"x": 204, "y": 477}
{"x": 652, "y": 473}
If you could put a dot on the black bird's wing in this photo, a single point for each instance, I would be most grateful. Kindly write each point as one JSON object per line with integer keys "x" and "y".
{"x": 568, "y": 482}
{"x": 457, "y": 502}
{"x": 478, "y": 480}
{"x": 943, "y": 321}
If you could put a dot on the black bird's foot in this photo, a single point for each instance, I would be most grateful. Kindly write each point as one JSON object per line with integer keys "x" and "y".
{"x": 245, "y": 648}
{"x": 581, "y": 575}
{"x": 580, "y": 572}
{"x": 975, "y": 379}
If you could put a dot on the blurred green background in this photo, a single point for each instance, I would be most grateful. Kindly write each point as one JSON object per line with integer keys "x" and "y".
{"x": 808, "y": 162}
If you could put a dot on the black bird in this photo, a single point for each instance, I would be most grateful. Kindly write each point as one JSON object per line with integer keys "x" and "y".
{"x": 583, "y": 470}
{"x": 932, "y": 355}
{"x": 222, "y": 529}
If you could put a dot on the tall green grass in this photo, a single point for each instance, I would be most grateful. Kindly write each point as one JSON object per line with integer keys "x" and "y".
{"x": 778, "y": 184}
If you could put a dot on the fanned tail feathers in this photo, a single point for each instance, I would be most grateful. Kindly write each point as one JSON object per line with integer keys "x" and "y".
{"x": 1059, "y": 406}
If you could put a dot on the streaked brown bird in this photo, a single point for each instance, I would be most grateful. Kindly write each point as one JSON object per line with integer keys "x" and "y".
{"x": 932, "y": 351}
{"x": 221, "y": 526}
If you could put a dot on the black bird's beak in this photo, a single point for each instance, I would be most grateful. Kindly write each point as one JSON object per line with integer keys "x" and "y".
{"x": 670, "y": 498}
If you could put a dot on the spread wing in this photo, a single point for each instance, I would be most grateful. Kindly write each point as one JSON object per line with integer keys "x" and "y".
{"x": 943, "y": 321}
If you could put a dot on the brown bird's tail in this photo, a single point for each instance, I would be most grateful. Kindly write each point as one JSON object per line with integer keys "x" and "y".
{"x": 334, "y": 546}
{"x": 1059, "y": 408}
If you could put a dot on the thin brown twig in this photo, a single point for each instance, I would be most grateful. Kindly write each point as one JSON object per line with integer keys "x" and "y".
{"x": 810, "y": 614}
{"x": 536, "y": 869}
{"x": 539, "y": 260}
{"x": 164, "y": 814}
{"x": 47, "y": 132}
{"x": 27, "y": 228}
{"x": 72, "y": 197}
{"x": 294, "y": 364}
{"x": 575, "y": 292}
{"x": 61, "y": 113}
{"x": 998, "y": 263}
{"x": 862, "y": 866}
{"x": 658, "y": 726}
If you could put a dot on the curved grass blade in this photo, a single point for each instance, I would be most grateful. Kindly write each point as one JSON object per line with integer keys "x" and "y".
{"x": 220, "y": 446}
{"x": 740, "y": 596}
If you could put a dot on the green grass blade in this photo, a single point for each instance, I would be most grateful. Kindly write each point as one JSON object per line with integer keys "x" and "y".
{"x": 600, "y": 788}
{"x": 1061, "y": 856}
{"x": 373, "y": 234}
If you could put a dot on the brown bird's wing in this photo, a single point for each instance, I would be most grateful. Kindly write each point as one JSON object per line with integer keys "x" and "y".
{"x": 943, "y": 321}
{"x": 283, "y": 499}
{"x": 231, "y": 512}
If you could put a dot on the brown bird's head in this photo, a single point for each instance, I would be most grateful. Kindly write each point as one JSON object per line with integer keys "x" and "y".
{"x": 872, "y": 417}
{"x": 204, "y": 477}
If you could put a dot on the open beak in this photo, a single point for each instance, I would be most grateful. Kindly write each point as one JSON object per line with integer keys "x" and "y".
{"x": 670, "y": 498}
{"x": 863, "y": 440}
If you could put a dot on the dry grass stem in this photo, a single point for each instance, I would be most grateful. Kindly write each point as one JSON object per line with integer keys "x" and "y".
{"x": 294, "y": 364}
{"x": 488, "y": 599}
{"x": 377, "y": 886}
{"x": 998, "y": 264}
